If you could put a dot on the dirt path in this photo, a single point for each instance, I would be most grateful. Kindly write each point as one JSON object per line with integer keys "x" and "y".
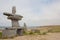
{"x": 49, "y": 36}
{"x": 53, "y": 36}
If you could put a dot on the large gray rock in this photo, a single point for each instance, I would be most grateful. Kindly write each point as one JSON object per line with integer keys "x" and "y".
{"x": 9, "y": 33}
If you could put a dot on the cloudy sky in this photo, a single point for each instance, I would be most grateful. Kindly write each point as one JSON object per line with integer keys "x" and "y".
{"x": 34, "y": 12}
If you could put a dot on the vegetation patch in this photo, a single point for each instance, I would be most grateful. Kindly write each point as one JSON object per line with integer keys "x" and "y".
{"x": 54, "y": 30}
{"x": 0, "y": 34}
{"x": 36, "y": 32}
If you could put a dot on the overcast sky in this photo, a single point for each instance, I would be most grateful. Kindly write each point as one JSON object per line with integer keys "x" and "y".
{"x": 34, "y": 12}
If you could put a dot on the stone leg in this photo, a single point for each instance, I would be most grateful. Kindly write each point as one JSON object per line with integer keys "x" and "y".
{"x": 8, "y": 33}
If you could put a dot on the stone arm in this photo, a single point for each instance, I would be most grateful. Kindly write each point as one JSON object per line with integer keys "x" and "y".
{"x": 7, "y": 14}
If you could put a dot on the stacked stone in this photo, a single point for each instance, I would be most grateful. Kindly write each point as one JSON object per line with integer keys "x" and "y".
{"x": 15, "y": 25}
{"x": 13, "y": 17}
